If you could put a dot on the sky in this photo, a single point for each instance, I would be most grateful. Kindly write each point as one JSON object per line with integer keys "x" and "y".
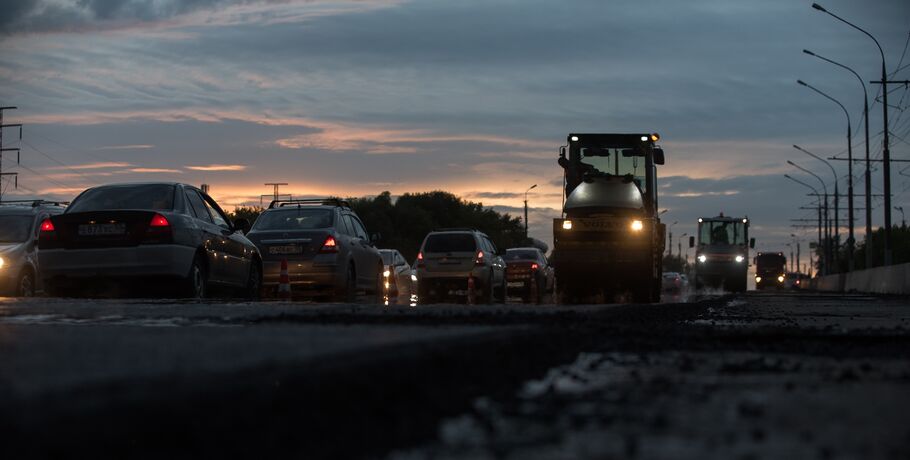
{"x": 351, "y": 98}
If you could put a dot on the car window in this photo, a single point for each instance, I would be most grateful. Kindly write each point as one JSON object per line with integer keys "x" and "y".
{"x": 15, "y": 229}
{"x": 198, "y": 206}
{"x": 491, "y": 247}
{"x": 220, "y": 220}
{"x": 359, "y": 229}
{"x": 399, "y": 259}
{"x": 522, "y": 254}
{"x": 130, "y": 196}
{"x": 349, "y": 226}
{"x": 450, "y": 242}
{"x": 387, "y": 257}
{"x": 294, "y": 219}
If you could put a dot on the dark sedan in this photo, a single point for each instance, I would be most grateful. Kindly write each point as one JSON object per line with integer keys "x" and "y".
{"x": 527, "y": 265}
{"x": 150, "y": 236}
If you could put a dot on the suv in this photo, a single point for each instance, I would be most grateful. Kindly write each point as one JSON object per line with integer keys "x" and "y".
{"x": 325, "y": 245}
{"x": 19, "y": 227}
{"x": 449, "y": 258}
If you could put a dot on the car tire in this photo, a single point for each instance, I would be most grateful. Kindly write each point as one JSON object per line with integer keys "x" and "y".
{"x": 503, "y": 290}
{"x": 379, "y": 291}
{"x": 490, "y": 294}
{"x": 254, "y": 281}
{"x": 348, "y": 290}
{"x": 25, "y": 285}
{"x": 196, "y": 281}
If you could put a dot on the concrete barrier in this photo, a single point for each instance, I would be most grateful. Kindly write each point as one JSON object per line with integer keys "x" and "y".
{"x": 879, "y": 280}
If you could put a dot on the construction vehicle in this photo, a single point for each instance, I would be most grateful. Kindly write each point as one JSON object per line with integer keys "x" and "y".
{"x": 609, "y": 241}
{"x": 770, "y": 270}
{"x": 722, "y": 255}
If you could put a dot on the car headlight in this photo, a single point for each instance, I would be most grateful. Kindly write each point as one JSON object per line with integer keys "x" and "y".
{"x": 2, "y": 262}
{"x": 637, "y": 225}
{"x": 413, "y": 277}
{"x": 386, "y": 273}
{"x": 702, "y": 258}
{"x": 780, "y": 279}
{"x": 740, "y": 259}
{"x": 758, "y": 279}
{"x": 567, "y": 225}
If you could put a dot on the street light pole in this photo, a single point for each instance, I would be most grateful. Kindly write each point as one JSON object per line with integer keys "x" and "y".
{"x": 849, "y": 181}
{"x": 868, "y": 174}
{"x": 833, "y": 174}
{"x": 821, "y": 262}
{"x": 827, "y": 242}
{"x": 886, "y": 152}
{"x": 526, "y": 209}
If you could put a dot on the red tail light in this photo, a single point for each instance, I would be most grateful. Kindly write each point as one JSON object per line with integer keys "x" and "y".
{"x": 159, "y": 221}
{"x": 330, "y": 246}
{"x": 420, "y": 263}
{"x": 535, "y": 266}
{"x": 47, "y": 226}
{"x": 479, "y": 260}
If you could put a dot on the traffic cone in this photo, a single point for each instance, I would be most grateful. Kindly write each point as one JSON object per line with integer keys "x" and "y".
{"x": 472, "y": 296}
{"x": 284, "y": 282}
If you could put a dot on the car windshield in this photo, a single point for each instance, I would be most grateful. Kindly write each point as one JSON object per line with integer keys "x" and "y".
{"x": 294, "y": 219}
{"x": 15, "y": 229}
{"x": 612, "y": 162}
{"x": 722, "y": 232}
{"x": 521, "y": 254}
{"x": 140, "y": 196}
{"x": 450, "y": 242}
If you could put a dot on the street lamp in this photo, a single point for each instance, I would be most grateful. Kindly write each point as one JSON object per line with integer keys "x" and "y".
{"x": 526, "y": 209}
{"x": 886, "y": 152}
{"x": 829, "y": 253}
{"x": 815, "y": 192}
{"x": 849, "y": 179}
{"x": 796, "y": 238}
{"x": 868, "y": 175}
{"x": 836, "y": 196}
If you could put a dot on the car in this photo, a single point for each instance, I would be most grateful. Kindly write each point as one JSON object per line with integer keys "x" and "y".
{"x": 159, "y": 237}
{"x": 671, "y": 282}
{"x": 527, "y": 266}
{"x": 793, "y": 280}
{"x": 20, "y": 275}
{"x": 325, "y": 245}
{"x": 396, "y": 274}
{"x": 450, "y": 261}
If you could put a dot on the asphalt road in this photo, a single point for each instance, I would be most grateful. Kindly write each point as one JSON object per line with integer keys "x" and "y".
{"x": 752, "y": 376}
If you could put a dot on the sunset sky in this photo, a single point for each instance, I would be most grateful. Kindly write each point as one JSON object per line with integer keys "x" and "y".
{"x": 352, "y": 98}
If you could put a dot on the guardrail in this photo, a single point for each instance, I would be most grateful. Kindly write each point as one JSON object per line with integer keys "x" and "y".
{"x": 894, "y": 279}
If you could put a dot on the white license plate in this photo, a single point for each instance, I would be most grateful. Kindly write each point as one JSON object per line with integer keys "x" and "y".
{"x": 516, "y": 284}
{"x": 101, "y": 229}
{"x": 288, "y": 249}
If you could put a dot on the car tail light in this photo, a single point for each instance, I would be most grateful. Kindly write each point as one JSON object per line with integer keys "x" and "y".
{"x": 329, "y": 246}
{"x": 535, "y": 266}
{"x": 479, "y": 260}
{"x": 47, "y": 237}
{"x": 47, "y": 226}
{"x": 159, "y": 230}
{"x": 420, "y": 262}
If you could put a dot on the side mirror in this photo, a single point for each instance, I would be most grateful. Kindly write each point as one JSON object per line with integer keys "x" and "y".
{"x": 374, "y": 238}
{"x": 691, "y": 241}
{"x": 242, "y": 225}
{"x": 659, "y": 156}
{"x": 752, "y": 243}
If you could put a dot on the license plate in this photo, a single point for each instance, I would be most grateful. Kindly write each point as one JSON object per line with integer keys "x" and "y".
{"x": 516, "y": 284}
{"x": 101, "y": 229}
{"x": 288, "y": 249}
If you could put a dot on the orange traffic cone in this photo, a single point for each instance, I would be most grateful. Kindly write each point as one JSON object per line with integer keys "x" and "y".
{"x": 284, "y": 282}
{"x": 472, "y": 296}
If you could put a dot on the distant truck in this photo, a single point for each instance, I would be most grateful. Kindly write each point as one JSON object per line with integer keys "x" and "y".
{"x": 722, "y": 254}
{"x": 770, "y": 270}
{"x": 610, "y": 241}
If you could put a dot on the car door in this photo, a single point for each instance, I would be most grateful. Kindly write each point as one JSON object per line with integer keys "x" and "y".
{"x": 235, "y": 260}
{"x": 210, "y": 234}
{"x": 363, "y": 251}
{"x": 498, "y": 265}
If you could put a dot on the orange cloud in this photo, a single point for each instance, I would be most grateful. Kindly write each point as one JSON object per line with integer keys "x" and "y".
{"x": 217, "y": 168}
{"x": 156, "y": 170}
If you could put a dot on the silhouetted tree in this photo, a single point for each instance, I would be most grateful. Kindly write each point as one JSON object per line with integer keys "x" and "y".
{"x": 250, "y": 213}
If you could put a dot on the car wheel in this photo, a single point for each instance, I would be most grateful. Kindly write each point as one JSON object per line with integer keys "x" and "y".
{"x": 490, "y": 296}
{"x": 348, "y": 292}
{"x": 196, "y": 282}
{"x": 26, "y": 285}
{"x": 254, "y": 282}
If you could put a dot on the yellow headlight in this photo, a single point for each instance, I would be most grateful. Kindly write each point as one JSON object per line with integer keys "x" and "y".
{"x": 386, "y": 273}
{"x": 1, "y": 262}
{"x": 758, "y": 279}
{"x": 780, "y": 279}
{"x": 567, "y": 224}
{"x": 637, "y": 225}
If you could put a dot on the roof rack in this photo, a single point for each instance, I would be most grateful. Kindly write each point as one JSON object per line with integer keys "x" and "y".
{"x": 310, "y": 202}
{"x": 33, "y": 203}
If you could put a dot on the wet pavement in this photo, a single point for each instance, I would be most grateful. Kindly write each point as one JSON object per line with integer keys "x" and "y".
{"x": 759, "y": 375}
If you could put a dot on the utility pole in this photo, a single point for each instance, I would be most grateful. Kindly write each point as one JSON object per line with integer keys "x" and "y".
{"x": 526, "y": 208}
{"x": 13, "y": 175}
{"x": 886, "y": 153}
{"x": 275, "y": 186}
